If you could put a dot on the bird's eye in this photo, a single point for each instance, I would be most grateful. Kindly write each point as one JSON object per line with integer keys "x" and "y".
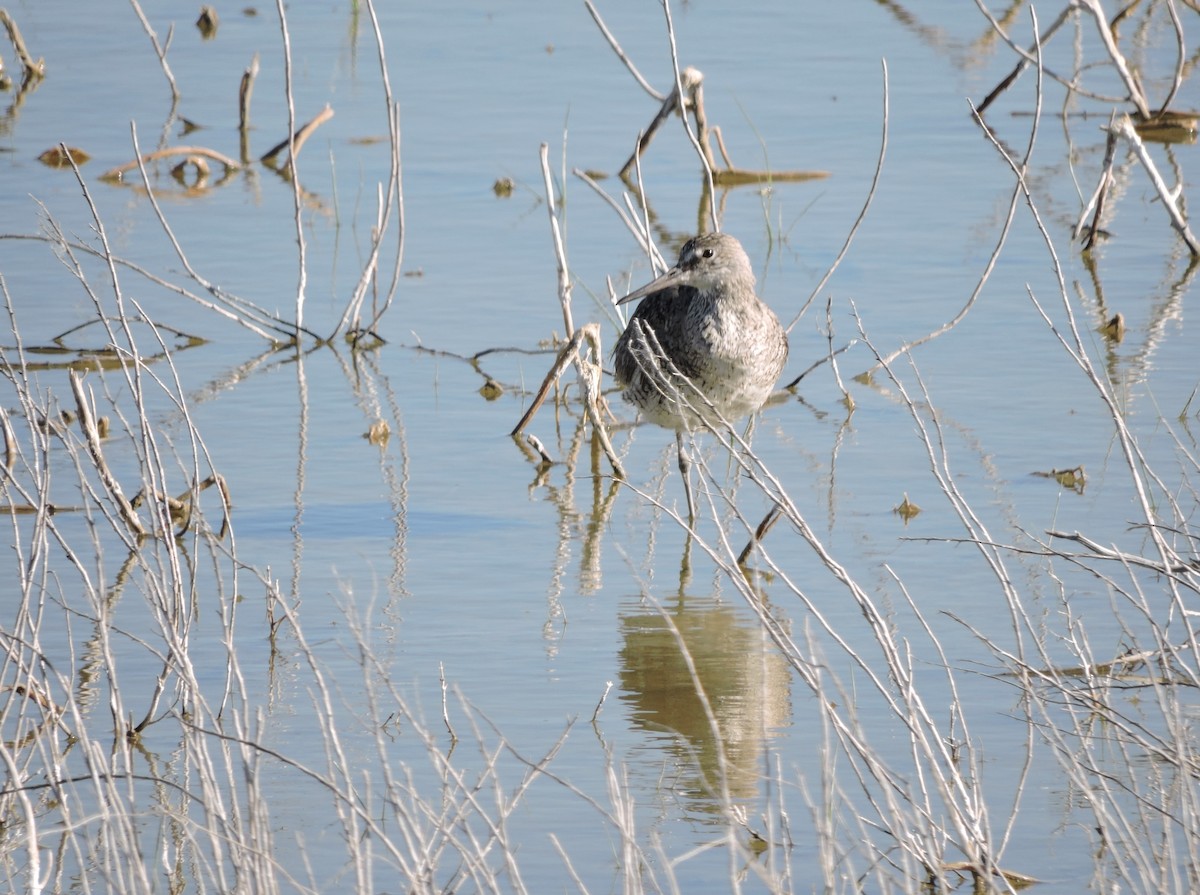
{"x": 707, "y": 253}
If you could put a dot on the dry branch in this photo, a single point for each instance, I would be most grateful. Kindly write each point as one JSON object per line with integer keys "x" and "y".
{"x": 87, "y": 422}
{"x": 245, "y": 92}
{"x": 32, "y": 69}
{"x": 691, "y": 83}
{"x": 1136, "y": 95}
{"x": 1170, "y": 198}
{"x": 297, "y": 140}
{"x": 160, "y": 50}
{"x": 616, "y": 47}
{"x": 188, "y": 152}
{"x": 1026, "y": 58}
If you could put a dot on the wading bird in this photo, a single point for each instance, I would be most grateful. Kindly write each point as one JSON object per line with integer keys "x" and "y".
{"x": 702, "y": 347}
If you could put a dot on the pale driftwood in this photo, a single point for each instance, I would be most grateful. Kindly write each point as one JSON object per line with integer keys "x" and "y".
{"x": 187, "y": 152}
{"x": 32, "y": 69}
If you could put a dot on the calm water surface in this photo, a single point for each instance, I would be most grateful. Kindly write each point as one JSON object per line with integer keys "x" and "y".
{"x": 525, "y": 589}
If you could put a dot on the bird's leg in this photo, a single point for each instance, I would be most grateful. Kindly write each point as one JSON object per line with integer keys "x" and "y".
{"x": 685, "y": 469}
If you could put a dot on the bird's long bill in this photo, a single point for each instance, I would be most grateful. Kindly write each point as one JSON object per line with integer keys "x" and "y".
{"x": 673, "y": 277}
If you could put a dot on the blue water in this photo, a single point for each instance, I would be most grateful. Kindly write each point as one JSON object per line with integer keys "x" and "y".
{"x": 527, "y": 590}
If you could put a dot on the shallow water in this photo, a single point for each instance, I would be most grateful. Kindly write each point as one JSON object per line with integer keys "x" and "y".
{"x": 530, "y": 591}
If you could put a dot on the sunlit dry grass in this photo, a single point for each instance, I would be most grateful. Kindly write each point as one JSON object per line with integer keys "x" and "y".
{"x": 124, "y": 545}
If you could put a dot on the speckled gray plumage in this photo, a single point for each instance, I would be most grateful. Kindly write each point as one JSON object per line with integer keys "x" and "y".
{"x": 711, "y": 324}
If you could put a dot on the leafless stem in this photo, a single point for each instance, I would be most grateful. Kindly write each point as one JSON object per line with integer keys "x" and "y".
{"x": 560, "y": 254}
{"x": 862, "y": 214}
{"x": 1136, "y": 96}
{"x": 612, "y": 42}
{"x": 87, "y": 422}
{"x": 293, "y": 139}
{"x": 1170, "y": 198}
{"x": 160, "y": 50}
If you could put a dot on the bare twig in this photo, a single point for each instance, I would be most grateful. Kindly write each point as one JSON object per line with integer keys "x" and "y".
{"x": 296, "y": 139}
{"x": 245, "y": 92}
{"x": 1026, "y": 58}
{"x": 612, "y": 42}
{"x": 391, "y": 206}
{"x": 293, "y": 138}
{"x": 1097, "y": 202}
{"x": 1136, "y": 96}
{"x": 87, "y": 422}
{"x": 862, "y": 214}
{"x": 560, "y": 253}
{"x": 160, "y": 50}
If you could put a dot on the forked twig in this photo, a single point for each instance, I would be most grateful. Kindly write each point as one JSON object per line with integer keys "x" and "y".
{"x": 160, "y": 50}
{"x": 1170, "y": 198}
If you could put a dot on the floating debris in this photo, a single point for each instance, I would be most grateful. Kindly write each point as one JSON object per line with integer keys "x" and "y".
{"x": 1072, "y": 479}
{"x": 1114, "y": 330}
{"x": 379, "y": 433}
{"x": 1168, "y": 127}
{"x": 63, "y": 156}
{"x": 906, "y": 509}
{"x": 208, "y": 22}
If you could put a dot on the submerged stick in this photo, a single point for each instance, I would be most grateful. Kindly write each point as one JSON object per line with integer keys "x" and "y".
{"x": 87, "y": 422}
{"x": 560, "y": 363}
{"x": 669, "y": 105}
{"x": 1099, "y": 198}
{"x": 589, "y": 375}
{"x": 245, "y": 91}
{"x": 297, "y": 140}
{"x": 1026, "y": 58}
{"x": 200, "y": 151}
{"x": 760, "y": 532}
